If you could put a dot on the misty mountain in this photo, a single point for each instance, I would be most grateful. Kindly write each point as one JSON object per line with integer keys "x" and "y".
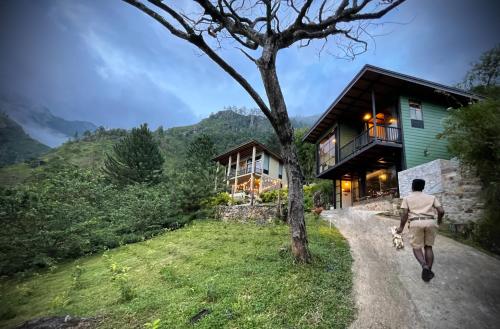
{"x": 15, "y": 144}
{"x": 38, "y": 122}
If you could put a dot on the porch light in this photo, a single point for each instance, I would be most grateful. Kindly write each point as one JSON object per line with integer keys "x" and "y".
{"x": 367, "y": 117}
{"x": 392, "y": 120}
{"x": 383, "y": 177}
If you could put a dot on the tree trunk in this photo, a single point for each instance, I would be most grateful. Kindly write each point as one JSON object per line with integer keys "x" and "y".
{"x": 283, "y": 128}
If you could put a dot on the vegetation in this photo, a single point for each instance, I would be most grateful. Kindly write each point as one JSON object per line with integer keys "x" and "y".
{"x": 473, "y": 136}
{"x": 69, "y": 212}
{"x": 243, "y": 274}
{"x": 66, "y": 208}
{"x": 136, "y": 159}
{"x": 15, "y": 144}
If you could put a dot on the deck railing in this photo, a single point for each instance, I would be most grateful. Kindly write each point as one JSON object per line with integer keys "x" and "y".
{"x": 386, "y": 134}
{"x": 245, "y": 170}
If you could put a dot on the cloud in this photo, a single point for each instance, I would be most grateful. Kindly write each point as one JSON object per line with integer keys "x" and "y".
{"x": 106, "y": 62}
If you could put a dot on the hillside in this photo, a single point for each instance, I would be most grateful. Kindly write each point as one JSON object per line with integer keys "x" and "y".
{"x": 15, "y": 144}
{"x": 40, "y": 123}
{"x": 227, "y": 128}
{"x": 240, "y": 272}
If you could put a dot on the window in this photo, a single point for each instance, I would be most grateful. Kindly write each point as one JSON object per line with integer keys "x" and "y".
{"x": 280, "y": 171}
{"x": 416, "y": 117}
{"x": 326, "y": 152}
{"x": 266, "y": 164}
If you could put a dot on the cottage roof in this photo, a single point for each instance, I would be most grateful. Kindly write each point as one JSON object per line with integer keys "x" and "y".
{"x": 386, "y": 83}
{"x": 245, "y": 150}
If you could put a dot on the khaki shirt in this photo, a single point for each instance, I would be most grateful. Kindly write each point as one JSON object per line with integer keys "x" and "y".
{"x": 420, "y": 204}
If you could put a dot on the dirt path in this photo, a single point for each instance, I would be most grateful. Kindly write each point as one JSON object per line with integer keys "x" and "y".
{"x": 390, "y": 293}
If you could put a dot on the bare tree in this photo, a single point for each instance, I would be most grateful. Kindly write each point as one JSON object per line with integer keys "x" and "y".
{"x": 266, "y": 27}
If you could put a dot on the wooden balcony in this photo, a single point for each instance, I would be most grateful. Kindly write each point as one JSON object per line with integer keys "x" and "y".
{"x": 366, "y": 151}
{"x": 383, "y": 134}
{"x": 245, "y": 171}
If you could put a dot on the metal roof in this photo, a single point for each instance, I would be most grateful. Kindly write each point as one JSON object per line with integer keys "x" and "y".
{"x": 356, "y": 95}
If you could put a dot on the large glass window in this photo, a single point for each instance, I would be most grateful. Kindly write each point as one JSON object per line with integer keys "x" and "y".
{"x": 326, "y": 149}
{"x": 382, "y": 182}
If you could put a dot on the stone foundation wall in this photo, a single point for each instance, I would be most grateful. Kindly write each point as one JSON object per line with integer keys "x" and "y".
{"x": 387, "y": 205}
{"x": 456, "y": 187}
{"x": 246, "y": 212}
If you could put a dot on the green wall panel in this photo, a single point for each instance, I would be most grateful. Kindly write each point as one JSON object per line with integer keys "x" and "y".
{"x": 418, "y": 140}
{"x": 347, "y": 133}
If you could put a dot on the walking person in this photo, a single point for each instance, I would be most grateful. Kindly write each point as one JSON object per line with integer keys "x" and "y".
{"x": 421, "y": 209}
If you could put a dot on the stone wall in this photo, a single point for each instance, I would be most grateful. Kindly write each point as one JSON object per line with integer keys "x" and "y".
{"x": 455, "y": 186}
{"x": 246, "y": 212}
{"x": 386, "y": 204}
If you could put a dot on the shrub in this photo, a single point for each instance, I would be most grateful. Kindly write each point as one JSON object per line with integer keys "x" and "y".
{"x": 272, "y": 196}
{"x": 69, "y": 212}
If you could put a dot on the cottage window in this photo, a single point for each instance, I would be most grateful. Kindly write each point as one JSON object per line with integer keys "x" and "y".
{"x": 280, "y": 171}
{"x": 416, "y": 117}
{"x": 265, "y": 168}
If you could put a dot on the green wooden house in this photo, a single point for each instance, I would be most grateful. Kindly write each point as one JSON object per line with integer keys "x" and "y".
{"x": 383, "y": 122}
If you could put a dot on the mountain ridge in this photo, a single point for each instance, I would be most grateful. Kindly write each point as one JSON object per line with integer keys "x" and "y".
{"x": 15, "y": 144}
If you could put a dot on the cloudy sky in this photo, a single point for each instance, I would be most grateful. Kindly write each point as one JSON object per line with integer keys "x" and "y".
{"x": 104, "y": 61}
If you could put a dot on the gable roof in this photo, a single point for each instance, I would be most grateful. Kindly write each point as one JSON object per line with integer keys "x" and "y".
{"x": 244, "y": 149}
{"x": 383, "y": 82}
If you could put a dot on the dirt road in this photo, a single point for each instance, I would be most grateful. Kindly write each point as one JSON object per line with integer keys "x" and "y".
{"x": 390, "y": 293}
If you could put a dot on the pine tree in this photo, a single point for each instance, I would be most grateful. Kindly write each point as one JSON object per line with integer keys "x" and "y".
{"x": 135, "y": 159}
{"x": 196, "y": 183}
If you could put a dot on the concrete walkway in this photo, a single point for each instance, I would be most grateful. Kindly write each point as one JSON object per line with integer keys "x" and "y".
{"x": 388, "y": 289}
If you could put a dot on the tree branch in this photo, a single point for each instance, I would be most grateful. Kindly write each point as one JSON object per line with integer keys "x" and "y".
{"x": 199, "y": 42}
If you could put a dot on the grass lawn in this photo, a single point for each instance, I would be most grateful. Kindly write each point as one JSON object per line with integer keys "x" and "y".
{"x": 242, "y": 273}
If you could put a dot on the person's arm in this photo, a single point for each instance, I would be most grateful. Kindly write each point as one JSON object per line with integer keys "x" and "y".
{"x": 440, "y": 212}
{"x": 439, "y": 209}
{"x": 404, "y": 219}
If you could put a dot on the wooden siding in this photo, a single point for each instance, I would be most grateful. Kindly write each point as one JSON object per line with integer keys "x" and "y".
{"x": 422, "y": 145}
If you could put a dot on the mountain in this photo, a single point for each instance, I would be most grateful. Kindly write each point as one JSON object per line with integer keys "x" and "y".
{"x": 15, "y": 144}
{"x": 227, "y": 128}
{"x": 40, "y": 123}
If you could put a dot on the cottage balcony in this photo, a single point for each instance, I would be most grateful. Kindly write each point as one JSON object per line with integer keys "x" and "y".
{"x": 245, "y": 171}
{"x": 377, "y": 146}
{"x": 367, "y": 137}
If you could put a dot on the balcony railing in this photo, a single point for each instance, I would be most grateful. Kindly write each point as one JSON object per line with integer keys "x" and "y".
{"x": 245, "y": 170}
{"x": 386, "y": 134}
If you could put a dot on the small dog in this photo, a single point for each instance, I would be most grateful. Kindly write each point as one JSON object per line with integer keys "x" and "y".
{"x": 397, "y": 239}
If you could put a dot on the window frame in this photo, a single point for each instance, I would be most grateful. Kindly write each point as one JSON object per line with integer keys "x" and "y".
{"x": 415, "y": 121}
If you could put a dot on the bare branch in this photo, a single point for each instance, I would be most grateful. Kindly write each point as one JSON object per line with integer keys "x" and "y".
{"x": 199, "y": 42}
{"x": 178, "y": 33}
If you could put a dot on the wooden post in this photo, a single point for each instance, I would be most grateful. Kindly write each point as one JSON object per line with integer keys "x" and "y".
{"x": 216, "y": 176}
{"x": 374, "y": 115}
{"x": 236, "y": 173}
{"x": 252, "y": 175}
{"x": 228, "y": 176}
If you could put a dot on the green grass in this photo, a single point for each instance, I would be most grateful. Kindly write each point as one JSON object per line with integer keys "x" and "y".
{"x": 243, "y": 273}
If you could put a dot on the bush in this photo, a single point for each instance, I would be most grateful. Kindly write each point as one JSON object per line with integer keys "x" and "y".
{"x": 70, "y": 212}
{"x": 272, "y": 196}
{"x": 222, "y": 198}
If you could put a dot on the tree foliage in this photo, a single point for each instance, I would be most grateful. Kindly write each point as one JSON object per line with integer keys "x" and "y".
{"x": 136, "y": 159}
{"x": 473, "y": 134}
{"x": 484, "y": 73}
{"x": 195, "y": 184}
{"x": 69, "y": 212}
